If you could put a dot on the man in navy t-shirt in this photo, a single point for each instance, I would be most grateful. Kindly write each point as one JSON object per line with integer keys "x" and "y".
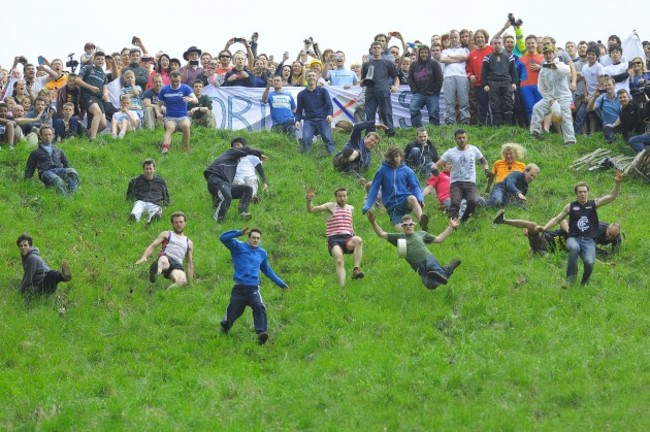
{"x": 173, "y": 100}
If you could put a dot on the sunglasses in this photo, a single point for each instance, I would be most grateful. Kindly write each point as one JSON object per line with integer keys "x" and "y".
{"x": 404, "y": 225}
{"x": 225, "y": 56}
{"x": 638, "y": 63}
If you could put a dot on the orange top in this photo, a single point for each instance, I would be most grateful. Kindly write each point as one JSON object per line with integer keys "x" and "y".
{"x": 501, "y": 169}
{"x": 527, "y": 60}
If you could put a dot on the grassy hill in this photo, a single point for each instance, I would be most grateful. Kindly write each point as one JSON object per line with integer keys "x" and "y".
{"x": 502, "y": 347}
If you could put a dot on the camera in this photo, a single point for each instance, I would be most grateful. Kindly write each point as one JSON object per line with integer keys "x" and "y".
{"x": 71, "y": 63}
{"x": 238, "y": 39}
{"x": 309, "y": 40}
{"x": 23, "y": 60}
{"x": 608, "y": 163}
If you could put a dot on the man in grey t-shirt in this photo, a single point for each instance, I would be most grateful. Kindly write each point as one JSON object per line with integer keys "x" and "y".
{"x": 463, "y": 158}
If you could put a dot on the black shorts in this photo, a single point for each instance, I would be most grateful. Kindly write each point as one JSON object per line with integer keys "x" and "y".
{"x": 340, "y": 240}
{"x": 87, "y": 99}
{"x": 173, "y": 265}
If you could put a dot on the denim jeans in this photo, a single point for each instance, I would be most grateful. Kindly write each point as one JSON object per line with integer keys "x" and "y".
{"x": 431, "y": 264}
{"x": 379, "y": 99}
{"x": 324, "y": 130}
{"x": 65, "y": 180}
{"x": 419, "y": 101}
{"x": 639, "y": 142}
{"x": 584, "y": 247}
{"x": 418, "y": 163}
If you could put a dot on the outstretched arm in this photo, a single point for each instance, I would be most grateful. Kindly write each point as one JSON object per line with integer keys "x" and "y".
{"x": 373, "y": 221}
{"x": 563, "y": 214}
{"x": 149, "y": 250}
{"x": 618, "y": 178}
{"x": 453, "y": 224}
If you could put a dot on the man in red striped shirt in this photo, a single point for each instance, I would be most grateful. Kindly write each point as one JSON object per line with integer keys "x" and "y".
{"x": 340, "y": 232}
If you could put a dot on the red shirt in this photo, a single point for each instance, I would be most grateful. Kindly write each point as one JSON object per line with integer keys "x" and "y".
{"x": 474, "y": 64}
{"x": 441, "y": 184}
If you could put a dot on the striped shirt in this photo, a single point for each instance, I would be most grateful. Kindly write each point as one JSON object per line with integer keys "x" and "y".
{"x": 340, "y": 222}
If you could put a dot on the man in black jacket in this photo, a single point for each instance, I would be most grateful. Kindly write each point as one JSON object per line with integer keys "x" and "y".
{"x": 421, "y": 154}
{"x": 149, "y": 192}
{"x": 38, "y": 277}
{"x": 499, "y": 76}
{"x": 52, "y": 164}
{"x": 425, "y": 80}
{"x": 220, "y": 175}
{"x": 141, "y": 74}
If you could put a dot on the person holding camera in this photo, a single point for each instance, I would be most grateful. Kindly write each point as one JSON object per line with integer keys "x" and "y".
{"x": 191, "y": 71}
{"x": 240, "y": 75}
{"x": 553, "y": 85}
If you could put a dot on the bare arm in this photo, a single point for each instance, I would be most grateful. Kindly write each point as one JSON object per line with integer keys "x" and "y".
{"x": 311, "y": 208}
{"x": 152, "y": 247}
{"x": 380, "y": 232}
{"x": 563, "y": 214}
{"x": 618, "y": 178}
{"x": 453, "y": 224}
{"x": 190, "y": 261}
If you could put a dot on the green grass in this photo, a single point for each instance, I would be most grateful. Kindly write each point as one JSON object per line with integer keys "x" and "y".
{"x": 501, "y": 347}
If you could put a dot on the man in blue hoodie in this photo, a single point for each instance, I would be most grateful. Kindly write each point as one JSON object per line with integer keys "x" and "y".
{"x": 248, "y": 259}
{"x": 401, "y": 192}
{"x": 38, "y": 277}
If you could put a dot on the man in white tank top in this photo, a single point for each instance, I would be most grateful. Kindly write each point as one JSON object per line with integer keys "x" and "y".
{"x": 176, "y": 248}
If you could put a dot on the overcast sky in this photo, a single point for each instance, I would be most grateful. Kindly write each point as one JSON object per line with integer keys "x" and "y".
{"x": 40, "y": 27}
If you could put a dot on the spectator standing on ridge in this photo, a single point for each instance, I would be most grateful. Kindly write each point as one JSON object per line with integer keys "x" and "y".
{"x": 425, "y": 81}
{"x": 377, "y": 73}
{"x": 315, "y": 108}
{"x": 92, "y": 81}
{"x": 500, "y": 80}
{"x": 281, "y": 105}
{"x": 455, "y": 82}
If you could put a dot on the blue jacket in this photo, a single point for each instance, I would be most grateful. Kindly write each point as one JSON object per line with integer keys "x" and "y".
{"x": 396, "y": 185}
{"x": 248, "y": 261}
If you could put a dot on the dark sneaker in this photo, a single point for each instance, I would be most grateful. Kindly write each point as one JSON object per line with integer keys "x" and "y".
{"x": 500, "y": 216}
{"x": 132, "y": 218}
{"x": 452, "y": 265}
{"x": 262, "y": 338}
{"x": 154, "y": 218}
{"x": 357, "y": 273}
{"x": 65, "y": 270}
{"x": 390, "y": 133}
{"x": 256, "y": 199}
{"x": 536, "y": 135}
{"x": 438, "y": 277}
{"x": 224, "y": 327}
{"x": 245, "y": 216}
{"x": 153, "y": 271}
{"x": 424, "y": 222}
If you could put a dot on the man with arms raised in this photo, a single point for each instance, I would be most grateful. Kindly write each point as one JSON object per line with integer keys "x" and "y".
{"x": 340, "y": 232}
{"x": 583, "y": 228}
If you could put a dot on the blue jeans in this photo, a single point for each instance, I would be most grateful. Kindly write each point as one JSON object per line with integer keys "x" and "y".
{"x": 324, "y": 130}
{"x": 240, "y": 297}
{"x": 65, "y": 180}
{"x": 639, "y": 142}
{"x": 584, "y": 247}
{"x": 419, "y": 101}
{"x": 431, "y": 264}
{"x": 379, "y": 99}
{"x": 418, "y": 164}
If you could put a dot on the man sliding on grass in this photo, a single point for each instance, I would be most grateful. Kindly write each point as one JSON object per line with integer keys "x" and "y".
{"x": 417, "y": 254}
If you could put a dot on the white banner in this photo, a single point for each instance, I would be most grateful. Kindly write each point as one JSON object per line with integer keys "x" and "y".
{"x": 242, "y": 108}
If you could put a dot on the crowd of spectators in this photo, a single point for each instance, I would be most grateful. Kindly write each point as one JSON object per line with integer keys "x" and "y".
{"x": 462, "y": 76}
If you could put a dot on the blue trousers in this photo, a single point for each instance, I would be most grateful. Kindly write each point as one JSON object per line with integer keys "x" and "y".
{"x": 585, "y": 248}
{"x": 240, "y": 297}
{"x": 431, "y": 264}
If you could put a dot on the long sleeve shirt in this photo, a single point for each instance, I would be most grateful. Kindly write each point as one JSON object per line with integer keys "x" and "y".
{"x": 314, "y": 104}
{"x": 248, "y": 261}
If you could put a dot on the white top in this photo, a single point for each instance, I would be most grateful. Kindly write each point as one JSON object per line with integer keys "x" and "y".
{"x": 463, "y": 163}
{"x": 455, "y": 69}
{"x": 246, "y": 166}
